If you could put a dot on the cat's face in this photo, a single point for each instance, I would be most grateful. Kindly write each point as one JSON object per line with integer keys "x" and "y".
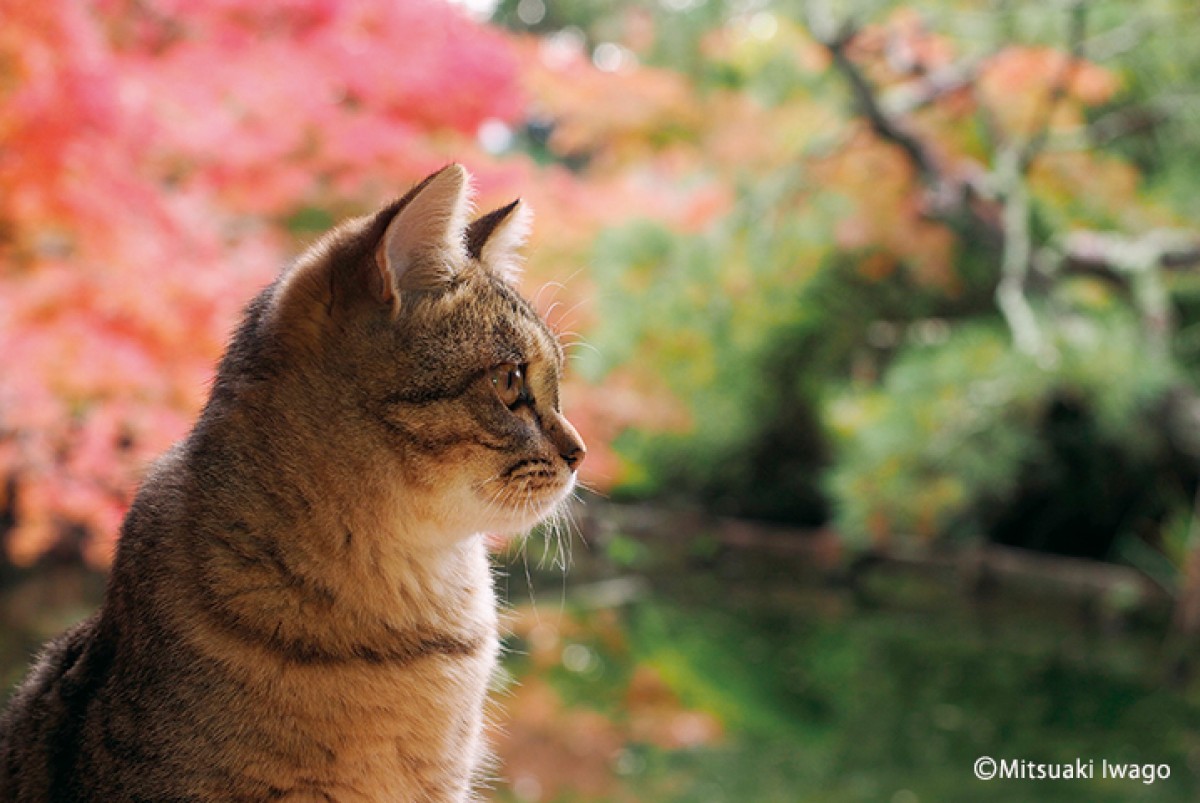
{"x": 482, "y": 429}
{"x": 438, "y": 367}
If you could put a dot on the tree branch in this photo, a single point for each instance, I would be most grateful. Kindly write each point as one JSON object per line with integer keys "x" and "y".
{"x": 1136, "y": 264}
{"x": 884, "y": 125}
{"x": 908, "y": 97}
{"x": 1115, "y": 255}
{"x": 1009, "y": 179}
{"x": 998, "y": 200}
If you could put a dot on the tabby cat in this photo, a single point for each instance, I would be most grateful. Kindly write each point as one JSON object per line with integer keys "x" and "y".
{"x": 300, "y": 608}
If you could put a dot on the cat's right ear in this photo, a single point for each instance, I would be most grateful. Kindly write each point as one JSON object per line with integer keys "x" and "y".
{"x": 496, "y": 239}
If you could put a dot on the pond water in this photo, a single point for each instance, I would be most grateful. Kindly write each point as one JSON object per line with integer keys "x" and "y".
{"x": 735, "y": 677}
{"x": 644, "y": 674}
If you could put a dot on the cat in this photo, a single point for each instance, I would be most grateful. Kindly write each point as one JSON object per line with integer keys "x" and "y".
{"x": 300, "y": 606}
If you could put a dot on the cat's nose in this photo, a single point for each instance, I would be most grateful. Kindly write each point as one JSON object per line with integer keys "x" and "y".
{"x": 566, "y": 441}
{"x": 575, "y": 456}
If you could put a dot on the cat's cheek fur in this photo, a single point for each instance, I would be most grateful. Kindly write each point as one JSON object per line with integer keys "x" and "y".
{"x": 504, "y": 474}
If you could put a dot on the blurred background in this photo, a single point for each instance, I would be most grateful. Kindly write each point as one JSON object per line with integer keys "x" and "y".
{"x": 884, "y": 323}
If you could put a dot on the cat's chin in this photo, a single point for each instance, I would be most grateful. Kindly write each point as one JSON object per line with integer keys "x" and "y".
{"x": 519, "y": 523}
{"x": 530, "y": 508}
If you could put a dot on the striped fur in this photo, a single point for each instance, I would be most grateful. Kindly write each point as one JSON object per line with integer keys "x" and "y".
{"x": 300, "y": 608}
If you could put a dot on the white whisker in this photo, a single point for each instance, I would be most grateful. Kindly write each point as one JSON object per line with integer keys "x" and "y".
{"x": 582, "y": 344}
{"x": 580, "y": 484}
{"x": 556, "y": 286}
{"x": 555, "y": 325}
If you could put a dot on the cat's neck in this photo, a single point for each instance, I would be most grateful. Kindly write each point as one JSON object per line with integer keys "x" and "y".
{"x": 278, "y": 509}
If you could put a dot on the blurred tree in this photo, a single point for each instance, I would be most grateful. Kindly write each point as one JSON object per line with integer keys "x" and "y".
{"x": 1072, "y": 487}
{"x": 159, "y": 160}
{"x": 782, "y": 207}
{"x": 1019, "y": 166}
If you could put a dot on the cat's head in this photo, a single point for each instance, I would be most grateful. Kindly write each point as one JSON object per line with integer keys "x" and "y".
{"x": 421, "y": 356}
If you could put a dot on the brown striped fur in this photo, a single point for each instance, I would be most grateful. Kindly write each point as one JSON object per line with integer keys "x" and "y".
{"x": 300, "y": 608}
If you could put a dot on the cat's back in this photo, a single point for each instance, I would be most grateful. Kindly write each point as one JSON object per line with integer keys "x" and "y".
{"x": 76, "y": 725}
{"x": 39, "y": 737}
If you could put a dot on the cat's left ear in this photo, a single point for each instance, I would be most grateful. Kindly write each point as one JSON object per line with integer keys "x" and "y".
{"x": 423, "y": 244}
{"x": 496, "y": 239}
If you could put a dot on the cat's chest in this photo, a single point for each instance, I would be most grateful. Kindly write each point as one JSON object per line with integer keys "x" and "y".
{"x": 398, "y": 719}
{"x": 376, "y": 733}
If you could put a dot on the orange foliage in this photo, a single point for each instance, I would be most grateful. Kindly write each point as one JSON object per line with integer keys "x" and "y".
{"x": 900, "y": 47}
{"x": 1018, "y": 83}
{"x": 151, "y": 151}
{"x": 882, "y": 185}
{"x": 1076, "y": 181}
{"x": 549, "y": 749}
{"x": 619, "y": 115}
{"x": 745, "y": 135}
{"x": 657, "y": 717}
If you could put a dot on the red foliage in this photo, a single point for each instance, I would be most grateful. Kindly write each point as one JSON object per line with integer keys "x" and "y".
{"x": 270, "y": 105}
{"x": 142, "y": 147}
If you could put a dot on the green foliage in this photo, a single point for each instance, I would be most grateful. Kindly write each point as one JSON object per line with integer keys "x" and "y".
{"x": 953, "y": 430}
{"x": 813, "y": 308}
{"x": 708, "y": 311}
{"x": 626, "y": 552}
{"x": 746, "y": 324}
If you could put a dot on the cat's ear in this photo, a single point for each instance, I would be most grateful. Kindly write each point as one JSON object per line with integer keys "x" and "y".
{"x": 423, "y": 245}
{"x": 415, "y": 243}
{"x": 495, "y": 239}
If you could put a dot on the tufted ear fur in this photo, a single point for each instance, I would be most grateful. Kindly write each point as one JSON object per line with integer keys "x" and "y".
{"x": 495, "y": 239}
{"x": 423, "y": 245}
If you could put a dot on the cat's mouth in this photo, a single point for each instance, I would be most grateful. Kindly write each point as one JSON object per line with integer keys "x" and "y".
{"x": 530, "y": 489}
{"x": 538, "y": 477}
{"x": 530, "y": 469}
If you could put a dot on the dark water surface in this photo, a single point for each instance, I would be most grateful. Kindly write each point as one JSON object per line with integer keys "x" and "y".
{"x": 645, "y": 674}
{"x": 888, "y": 693}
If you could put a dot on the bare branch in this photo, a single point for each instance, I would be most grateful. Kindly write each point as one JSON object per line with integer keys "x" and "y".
{"x": 1015, "y": 258}
{"x": 1114, "y": 256}
{"x": 884, "y": 125}
{"x": 1137, "y": 265}
{"x": 1129, "y": 121}
{"x": 907, "y": 98}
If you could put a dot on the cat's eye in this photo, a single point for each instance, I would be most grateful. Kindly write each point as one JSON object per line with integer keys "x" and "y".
{"x": 508, "y": 379}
